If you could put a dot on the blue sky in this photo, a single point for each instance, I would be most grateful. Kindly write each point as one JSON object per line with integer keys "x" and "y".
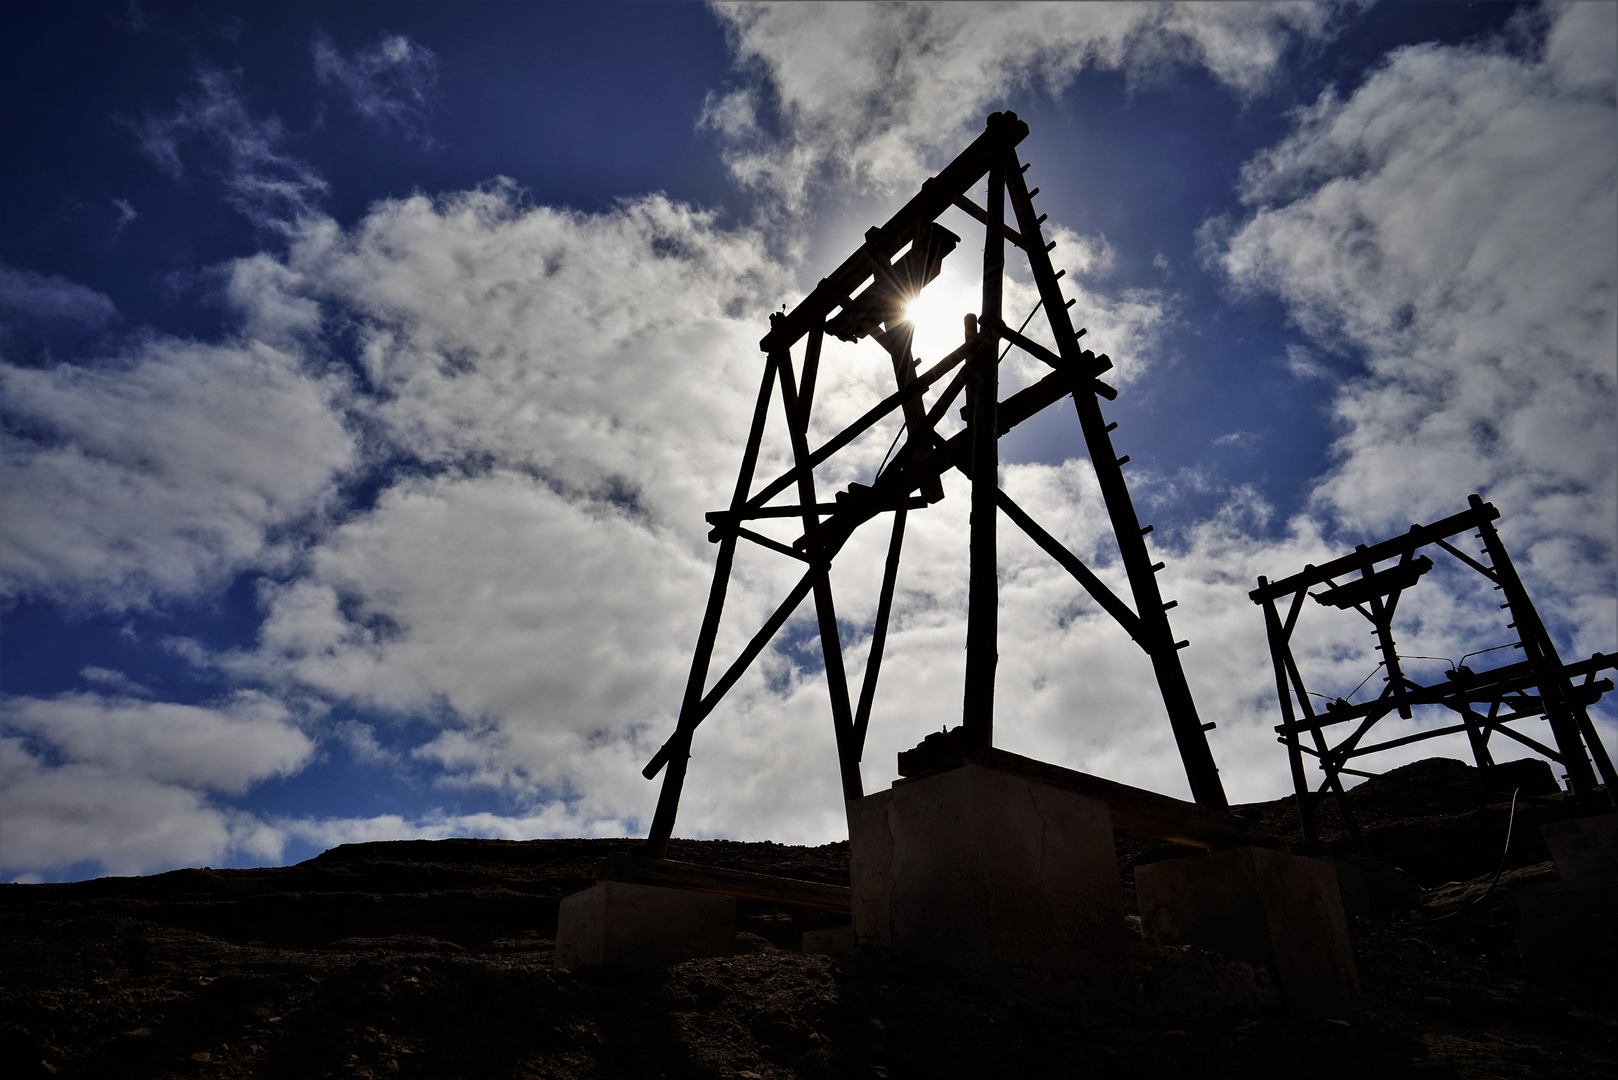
{"x": 368, "y": 368}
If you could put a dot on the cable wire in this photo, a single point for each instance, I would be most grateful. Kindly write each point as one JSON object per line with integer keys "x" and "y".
{"x": 1498, "y": 870}
{"x": 898, "y": 434}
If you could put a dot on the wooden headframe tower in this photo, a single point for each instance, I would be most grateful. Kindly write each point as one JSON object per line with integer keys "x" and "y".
{"x": 1484, "y": 703}
{"x": 865, "y": 297}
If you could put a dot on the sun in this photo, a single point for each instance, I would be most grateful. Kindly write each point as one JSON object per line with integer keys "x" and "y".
{"x": 936, "y": 313}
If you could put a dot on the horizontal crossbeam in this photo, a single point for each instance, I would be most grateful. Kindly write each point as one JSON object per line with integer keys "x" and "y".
{"x": 1366, "y": 557}
{"x": 714, "y": 879}
{"x": 937, "y": 195}
{"x": 861, "y": 426}
{"x": 1485, "y": 686}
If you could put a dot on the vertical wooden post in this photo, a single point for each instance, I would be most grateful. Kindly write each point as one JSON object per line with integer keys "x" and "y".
{"x": 983, "y": 589}
{"x": 1300, "y": 782}
{"x": 1192, "y": 741}
{"x": 668, "y": 799}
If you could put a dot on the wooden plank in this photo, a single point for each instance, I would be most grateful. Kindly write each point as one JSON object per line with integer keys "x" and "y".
{"x": 1156, "y": 634}
{"x": 860, "y": 426}
{"x": 1483, "y": 686}
{"x": 772, "y": 625}
{"x": 983, "y": 403}
{"x": 831, "y": 643}
{"x": 905, "y": 474}
{"x": 974, "y": 210}
{"x": 679, "y": 748}
{"x": 1097, "y": 589}
{"x": 1134, "y": 810}
{"x": 713, "y": 879}
{"x": 879, "y": 633}
{"x": 1418, "y": 536}
{"x": 937, "y": 194}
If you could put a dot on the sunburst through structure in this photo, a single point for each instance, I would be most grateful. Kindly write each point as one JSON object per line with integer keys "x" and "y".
{"x": 879, "y": 293}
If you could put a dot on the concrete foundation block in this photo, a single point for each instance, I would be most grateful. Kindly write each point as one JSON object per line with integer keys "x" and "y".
{"x": 1584, "y": 847}
{"x": 1368, "y": 887}
{"x": 1255, "y": 905}
{"x": 833, "y": 941}
{"x": 1568, "y": 930}
{"x": 984, "y": 871}
{"x": 617, "y": 923}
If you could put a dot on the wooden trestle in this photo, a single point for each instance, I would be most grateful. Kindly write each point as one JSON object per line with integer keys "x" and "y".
{"x": 865, "y": 297}
{"x": 1538, "y": 685}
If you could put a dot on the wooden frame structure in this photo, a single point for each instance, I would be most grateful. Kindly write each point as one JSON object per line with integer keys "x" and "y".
{"x": 1537, "y": 685}
{"x": 865, "y": 297}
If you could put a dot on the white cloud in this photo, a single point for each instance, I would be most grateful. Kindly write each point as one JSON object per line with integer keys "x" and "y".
{"x": 126, "y": 215}
{"x": 51, "y": 299}
{"x": 225, "y": 747}
{"x": 62, "y": 815}
{"x": 394, "y": 82}
{"x": 558, "y": 397}
{"x": 1302, "y": 363}
{"x": 913, "y": 80}
{"x": 123, "y": 783}
{"x": 114, "y": 681}
{"x": 213, "y": 126}
{"x": 1238, "y": 440}
{"x": 164, "y": 472}
{"x": 1455, "y": 221}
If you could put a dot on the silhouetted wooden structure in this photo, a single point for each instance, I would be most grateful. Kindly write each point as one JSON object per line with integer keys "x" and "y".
{"x": 866, "y": 297}
{"x": 1537, "y": 685}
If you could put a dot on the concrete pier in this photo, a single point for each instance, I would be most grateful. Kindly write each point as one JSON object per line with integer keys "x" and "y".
{"x": 981, "y": 870}
{"x": 614, "y": 922}
{"x": 1283, "y": 912}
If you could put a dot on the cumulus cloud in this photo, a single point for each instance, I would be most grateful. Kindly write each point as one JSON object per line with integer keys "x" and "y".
{"x": 124, "y": 783}
{"x": 50, "y": 299}
{"x": 912, "y": 80}
{"x": 212, "y": 128}
{"x": 549, "y": 401}
{"x": 1454, "y": 221}
{"x": 62, "y": 815}
{"x": 164, "y": 472}
{"x": 224, "y": 748}
{"x": 393, "y": 82}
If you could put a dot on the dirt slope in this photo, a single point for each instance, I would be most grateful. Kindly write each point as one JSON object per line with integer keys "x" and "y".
{"x": 433, "y": 959}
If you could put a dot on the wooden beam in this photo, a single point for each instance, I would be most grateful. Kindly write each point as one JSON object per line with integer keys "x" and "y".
{"x": 936, "y": 195}
{"x": 983, "y": 402}
{"x": 1134, "y": 810}
{"x": 771, "y": 626}
{"x": 860, "y": 426}
{"x": 974, "y": 210}
{"x": 1158, "y": 637}
{"x": 1097, "y": 588}
{"x": 679, "y": 748}
{"x": 879, "y": 633}
{"x": 1418, "y": 536}
{"x": 831, "y": 644}
{"x": 713, "y": 879}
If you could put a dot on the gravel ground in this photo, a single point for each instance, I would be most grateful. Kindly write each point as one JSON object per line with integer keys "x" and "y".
{"x": 433, "y": 959}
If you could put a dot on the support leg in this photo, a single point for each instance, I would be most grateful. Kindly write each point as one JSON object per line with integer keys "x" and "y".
{"x": 983, "y": 595}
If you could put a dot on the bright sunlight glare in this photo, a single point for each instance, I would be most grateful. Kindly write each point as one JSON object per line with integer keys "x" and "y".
{"x": 937, "y": 313}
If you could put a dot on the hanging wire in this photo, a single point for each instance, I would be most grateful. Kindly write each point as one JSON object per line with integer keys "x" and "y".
{"x": 1380, "y": 664}
{"x": 901, "y": 431}
{"x": 1498, "y": 870}
{"x": 1351, "y": 693}
{"x": 1480, "y": 652}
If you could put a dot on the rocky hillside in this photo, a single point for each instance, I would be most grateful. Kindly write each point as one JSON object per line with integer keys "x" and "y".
{"x": 433, "y": 959}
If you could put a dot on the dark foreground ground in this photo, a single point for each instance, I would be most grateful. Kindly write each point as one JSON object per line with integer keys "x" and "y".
{"x": 433, "y": 959}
